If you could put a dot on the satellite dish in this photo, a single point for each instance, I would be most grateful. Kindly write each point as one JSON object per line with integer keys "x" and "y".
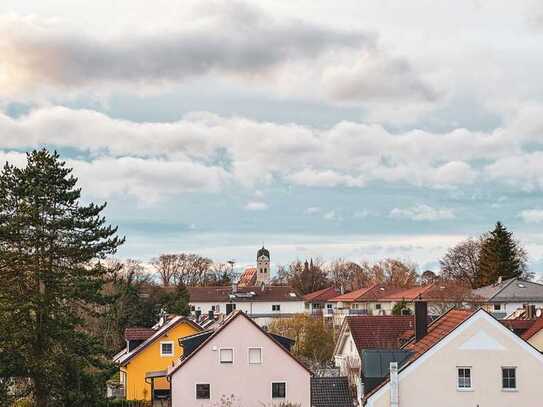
{"x": 538, "y": 313}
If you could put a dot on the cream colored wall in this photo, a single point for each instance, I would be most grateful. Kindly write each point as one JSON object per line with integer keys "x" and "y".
{"x": 433, "y": 382}
{"x": 537, "y": 341}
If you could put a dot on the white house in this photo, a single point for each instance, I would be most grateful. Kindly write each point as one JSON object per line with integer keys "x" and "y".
{"x": 263, "y": 303}
{"x": 466, "y": 359}
{"x": 506, "y": 297}
{"x": 238, "y": 363}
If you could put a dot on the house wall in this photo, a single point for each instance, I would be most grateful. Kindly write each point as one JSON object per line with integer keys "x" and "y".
{"x": 347, "y": 354}
{"x": 255, "y": 307}
{"x": 250, "y": 384}
{"x": 537, "y": 341}
{"x": 509, "y": 307}
{"x": 434, "y": 380}
{"x": 149, "y": 360}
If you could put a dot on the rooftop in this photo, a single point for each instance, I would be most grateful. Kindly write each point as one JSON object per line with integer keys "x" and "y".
{"x": 380, "y": 331}
{"x": 321, "y": 295}
{"x": 331, "y": 392}
{"x": 511, "y": 290}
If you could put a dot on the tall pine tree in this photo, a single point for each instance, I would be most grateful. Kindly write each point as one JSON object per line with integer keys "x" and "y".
{"x": 501, "y": 256}
{"x": 51, "y": 274}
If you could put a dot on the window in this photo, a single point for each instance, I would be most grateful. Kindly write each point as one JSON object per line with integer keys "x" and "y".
{"x": 464, "y": 378}
{"x": 166, "y": 348}
{"x": 255, "y": 356}
{"x": 202, "y": 391}
{"x": 378, "y": 306}
{"x": 497, "y": 307}
{"x": 226, "y": 355}
{"x": 329, "y": 306}
{"x": 276, "y": 307}
{"x": 509, "y": 378}
{"x": 279, "y": 390}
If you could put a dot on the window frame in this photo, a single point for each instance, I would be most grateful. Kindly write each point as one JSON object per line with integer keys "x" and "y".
{"x": 226, "y": 363}
{"x": 249, "y": 355}
{"x": 279, "y": 397}
{"x": 276, "y": 307}
{"x": 458, "y": 387}
{"x": 378, "y": 307}
{"x": 497, "y": 307}
{"x": 165, "y": 355}
{"x": 196, "y": 391}
{"x": 514, "y": 369}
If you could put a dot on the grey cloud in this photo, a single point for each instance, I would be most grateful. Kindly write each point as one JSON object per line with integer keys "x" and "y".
{"x": 239, "y": 40}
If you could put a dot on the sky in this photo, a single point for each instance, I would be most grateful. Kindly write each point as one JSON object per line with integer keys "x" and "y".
{"x": 360, "y": 129}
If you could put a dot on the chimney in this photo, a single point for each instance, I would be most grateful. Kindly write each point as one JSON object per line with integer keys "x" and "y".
{"x": 421, "y": 320}
{"x": 394, "y": 385}
{"x": 198, "y": 313}
{"x": 342, "y": 289}
{"x": 210, "y": 315}
{"x": 234, "y": 288}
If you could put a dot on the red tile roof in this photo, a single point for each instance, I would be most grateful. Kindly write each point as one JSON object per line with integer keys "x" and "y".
{"x": 408, "y": 294}
{"x": 533, "y": 329}
{"x": 138, "y": 334}
{"x": 440, "y": 328}
{"x": 353, "y": 295}
{"x": 248, "y": 278}
{"x": 321, "y": 295}
{"x": 380, "y": 331}
{"x": 518, "y": 326}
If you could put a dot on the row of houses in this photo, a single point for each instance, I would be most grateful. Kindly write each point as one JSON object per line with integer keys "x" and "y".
{"x": 480, "y": 348}
{"x": 464, "y": 357}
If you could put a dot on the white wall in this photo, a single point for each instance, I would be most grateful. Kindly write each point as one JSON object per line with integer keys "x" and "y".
{"x": 255, "y": 307}
{"x": 250, "y": 384}
{"x": 483, "y": 344}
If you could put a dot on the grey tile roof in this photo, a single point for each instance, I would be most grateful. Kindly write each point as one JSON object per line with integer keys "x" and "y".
{"x": 512, "y": 290}
{"x": 331, "y": 392}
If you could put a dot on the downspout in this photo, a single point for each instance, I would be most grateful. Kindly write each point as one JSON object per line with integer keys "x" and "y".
{"x": 394, "y": 385}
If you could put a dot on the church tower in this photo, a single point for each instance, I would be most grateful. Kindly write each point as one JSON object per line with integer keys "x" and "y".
{"x": 262, "y": 266}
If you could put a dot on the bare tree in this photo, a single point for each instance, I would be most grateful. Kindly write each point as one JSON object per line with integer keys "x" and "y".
{"x": 428, "y": 277}
{"x": 461, "y": 262}
{"x": 167, "y": 267}
{"x": 394, "y": 273}
{"x": 348, "y": 274}
{"x": 305, "y": 277}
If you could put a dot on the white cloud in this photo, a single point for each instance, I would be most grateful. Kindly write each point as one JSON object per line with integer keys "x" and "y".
{"x": 532, "y": 215}
{"x": 253, "y": 153}
{"x": 332, "y": 216}
{"x": 313, "y": 210}
{"x": 422, "y": 213}
{"x": 364, "y": 213}
{"x": 256, "y": 206}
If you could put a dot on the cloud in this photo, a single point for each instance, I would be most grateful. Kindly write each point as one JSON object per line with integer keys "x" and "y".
{"x": 313, "y": 210}
{"x": 532, "y": 215}
{"x": 364, "y": 213}
{"x": 207, "y": 151}
{"x": 230, "y": 38}
{"x": 231, "y": 41}
{"x": 331, "y": 216}
{"x": 422, "y": 213}
{"x": 256, "y": 206}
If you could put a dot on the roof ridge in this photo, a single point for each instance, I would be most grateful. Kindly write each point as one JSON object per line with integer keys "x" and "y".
{"x": 506, "y": 284}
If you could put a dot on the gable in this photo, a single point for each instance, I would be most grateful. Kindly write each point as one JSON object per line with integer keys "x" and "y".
{"x": 479, "y": 341}
{"x": 239, "y": 332}
{"x": 150, "y": 352}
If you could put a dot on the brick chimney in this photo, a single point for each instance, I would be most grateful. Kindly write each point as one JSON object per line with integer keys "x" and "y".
{"x": 421, "y": 320}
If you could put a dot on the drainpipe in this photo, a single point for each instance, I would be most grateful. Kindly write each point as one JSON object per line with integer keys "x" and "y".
{"x": 394, "y": 385}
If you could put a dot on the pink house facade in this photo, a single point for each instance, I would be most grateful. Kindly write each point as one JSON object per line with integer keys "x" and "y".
{"x": 241, "y": 363}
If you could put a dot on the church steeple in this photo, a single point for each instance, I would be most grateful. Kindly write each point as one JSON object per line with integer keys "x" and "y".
{"x": 262, "y": 266}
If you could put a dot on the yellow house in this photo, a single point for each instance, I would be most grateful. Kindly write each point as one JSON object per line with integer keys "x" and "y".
{"x": 151, "y": 350}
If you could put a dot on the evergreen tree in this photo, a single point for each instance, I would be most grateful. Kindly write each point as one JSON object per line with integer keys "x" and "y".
{"x": 176, "y": 302}
{"x": 51, "y": 247}
{"x": 501, "y": 256}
